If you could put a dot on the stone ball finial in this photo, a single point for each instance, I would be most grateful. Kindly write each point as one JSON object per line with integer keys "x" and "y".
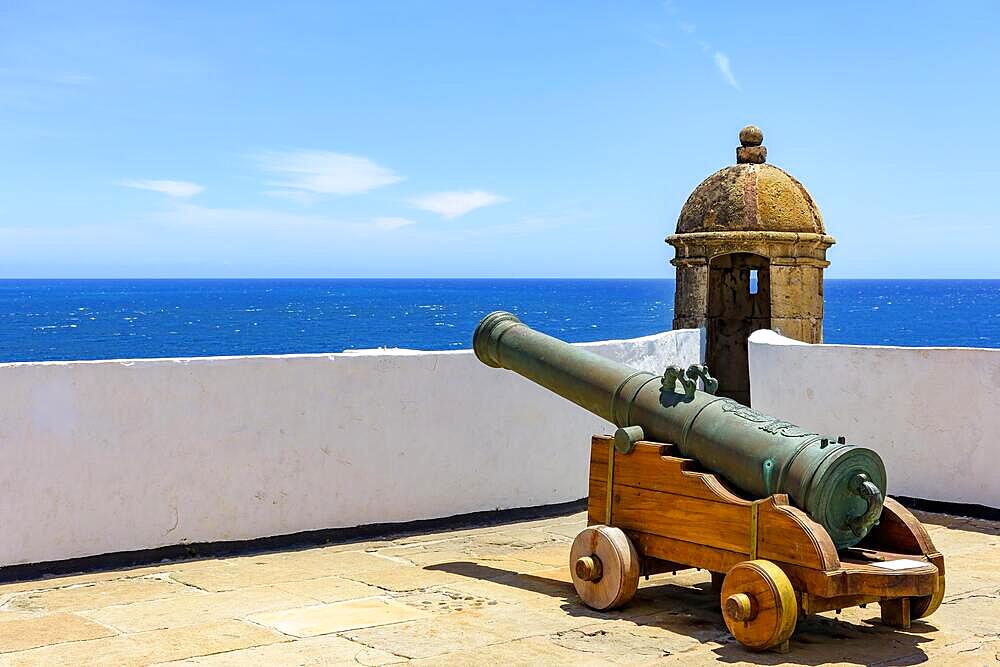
{"x": 751, "y": 136}
{"x": 751, "y": 151}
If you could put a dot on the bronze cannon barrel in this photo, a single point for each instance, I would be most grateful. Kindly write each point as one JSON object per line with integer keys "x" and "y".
{"x": 840, "y": 485}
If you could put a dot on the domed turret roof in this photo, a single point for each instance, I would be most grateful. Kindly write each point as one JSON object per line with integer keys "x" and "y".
{"x": 750, "y": 196}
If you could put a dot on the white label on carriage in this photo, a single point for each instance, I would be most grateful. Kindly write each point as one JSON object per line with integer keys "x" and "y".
{"x": 901, "y": 564}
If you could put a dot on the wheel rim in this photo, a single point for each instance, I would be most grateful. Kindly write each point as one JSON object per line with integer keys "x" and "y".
{"x": 758, "y": 604}
{"x": 605, "y": 567}
{"x": 925, "y": 606}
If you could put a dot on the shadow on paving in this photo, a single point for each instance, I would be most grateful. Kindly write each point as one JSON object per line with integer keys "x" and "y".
{"x": 970, "y": 524}
{"x": 693, "y": 611}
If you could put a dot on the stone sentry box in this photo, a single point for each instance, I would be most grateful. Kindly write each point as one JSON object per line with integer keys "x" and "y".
{"x": 748, "y": 220}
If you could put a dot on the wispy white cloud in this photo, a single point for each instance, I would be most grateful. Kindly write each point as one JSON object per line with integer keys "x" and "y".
{"x": 297, "y": 196}
{"x": 388, "y": 223}
{"x": 72, "y": 78}
{"x": 181, "y": 189}
{"x": 722, "y": 62}
{"x": 45, "y": 77}
{"x": 192, "y": 215}
{"x": 38, "y": 89}
{"x": 289, "y": 225}
{"x": 456, "y": 204}
{"x": 325, "y": 172}
{"x": 513, "y": 226}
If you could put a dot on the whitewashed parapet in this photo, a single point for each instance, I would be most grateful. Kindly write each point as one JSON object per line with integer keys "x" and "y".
{"x": 933, "y": 414}
{"x": 111, "y": 456}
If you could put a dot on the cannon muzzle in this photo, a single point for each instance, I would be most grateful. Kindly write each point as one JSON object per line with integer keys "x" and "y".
{"x": 840, "y": 485}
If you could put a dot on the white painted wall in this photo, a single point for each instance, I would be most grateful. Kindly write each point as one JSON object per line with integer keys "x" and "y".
{"x": 98, "y": 457}
{"x": 933, "y": 414}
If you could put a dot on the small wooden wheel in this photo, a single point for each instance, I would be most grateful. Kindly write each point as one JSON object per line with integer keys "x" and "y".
{"x": 758, "y": 603}
{"x": 605, "y": 567}
{"x": 925, "y": 606}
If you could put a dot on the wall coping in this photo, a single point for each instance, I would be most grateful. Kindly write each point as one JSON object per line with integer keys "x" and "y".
{"x": 360, "y": 352}
{"x": 770, "y": 337}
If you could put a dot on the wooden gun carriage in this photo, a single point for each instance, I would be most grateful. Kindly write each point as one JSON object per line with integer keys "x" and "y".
{"x": 653, "y": 508}
{"x": 653, "y": 511}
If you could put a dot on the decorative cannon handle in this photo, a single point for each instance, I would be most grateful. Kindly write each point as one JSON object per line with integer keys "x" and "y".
{"x": 689, "y": 379}
{"x": 867, "y": 489}
{"x": 710, "y": 384}
{"x": 672, "y": 375}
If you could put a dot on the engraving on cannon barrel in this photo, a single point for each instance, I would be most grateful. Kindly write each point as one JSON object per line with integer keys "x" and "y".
{"x": 768, "y": 424}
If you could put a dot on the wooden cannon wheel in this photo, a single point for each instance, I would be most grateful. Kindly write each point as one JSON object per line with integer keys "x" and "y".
{"x": 758, "y": 604}
{"x": 605, "y": 567}
{"x": 925, "y": 606}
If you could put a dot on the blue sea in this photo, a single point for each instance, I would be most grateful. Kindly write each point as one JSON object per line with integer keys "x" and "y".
{"x": 113, "y": 319}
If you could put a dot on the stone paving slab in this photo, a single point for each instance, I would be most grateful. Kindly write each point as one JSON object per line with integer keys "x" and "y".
{"x": 27, "y": 633}
{"x": 98, "y": 594}
{"x": 329, "y": 589}
{"x": 316, "y": 651}
{"x": 327, "y": 619}
{"x": 147, "y": 647}
{"x": 195, "y": 609}
{"x": 498, "y": 594}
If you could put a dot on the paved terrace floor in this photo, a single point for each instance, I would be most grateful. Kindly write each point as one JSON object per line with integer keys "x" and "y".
{"x": 493, "y": 595}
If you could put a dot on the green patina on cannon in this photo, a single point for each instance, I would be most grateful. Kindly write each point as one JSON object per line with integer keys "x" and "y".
{"x": 839, "y": 485}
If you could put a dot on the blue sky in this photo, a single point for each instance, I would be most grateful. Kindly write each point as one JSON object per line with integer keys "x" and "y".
{"x": 513, "y": 139}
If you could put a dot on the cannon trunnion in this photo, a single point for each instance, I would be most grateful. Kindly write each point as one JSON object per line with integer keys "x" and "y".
{"x": 788, "y": 522}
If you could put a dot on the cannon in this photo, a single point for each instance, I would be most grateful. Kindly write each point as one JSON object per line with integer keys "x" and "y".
{"x": 839, "y": 485}
{"x": 788, "y": 520}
